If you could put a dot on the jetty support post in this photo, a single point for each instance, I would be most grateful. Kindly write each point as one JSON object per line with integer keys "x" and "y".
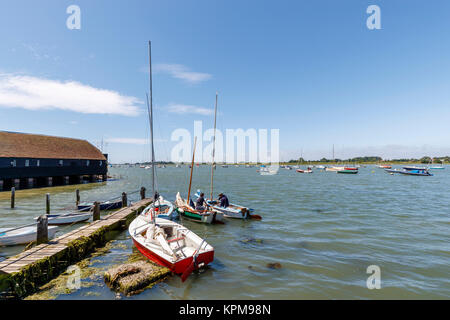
{"x": 42, "y": 230}
{"x": 47, "y": 203}
{"x": 13, "y": 197}
{"x": 124, "y": 200}
{"x": 77, "y": 195}
{"x": 142, "y": 193}
{"x": 96, "y": 214}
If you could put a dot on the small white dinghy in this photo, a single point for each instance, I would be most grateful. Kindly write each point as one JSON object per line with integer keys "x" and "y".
{"x": 163, "y": 208}
{"x": 23, "y": 235}
{"x": 170, "y": 244}
{"x": 60, "y": 219}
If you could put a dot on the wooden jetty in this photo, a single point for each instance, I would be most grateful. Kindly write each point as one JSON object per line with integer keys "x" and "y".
{"x": 24, "y": 273}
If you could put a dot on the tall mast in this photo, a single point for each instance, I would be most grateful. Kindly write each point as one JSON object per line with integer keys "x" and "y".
{"x": 151, "y": 117}
{"x": 192, "y": 169}
{"x": 333, "y": 154}
{"x": 214, "y": 149}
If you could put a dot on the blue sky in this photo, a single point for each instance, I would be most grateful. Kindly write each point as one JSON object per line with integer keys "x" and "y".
{"x": 309, "y": 68}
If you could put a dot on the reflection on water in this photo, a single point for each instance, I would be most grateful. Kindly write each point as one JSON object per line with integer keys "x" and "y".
{"x": 318, "y": 235}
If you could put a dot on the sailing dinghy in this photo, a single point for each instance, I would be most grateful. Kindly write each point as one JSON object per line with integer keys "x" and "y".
{"x": 171, "y": 245}
{"x": 233, "y": 210}
{"x": 107, "y": 205}
{"x": 25, "y": 235}
{"x": 163, "y": 241}
{"x": 188, "y": 212}
{"x": 60, "y": 219}
{"x": 163, "y": 209}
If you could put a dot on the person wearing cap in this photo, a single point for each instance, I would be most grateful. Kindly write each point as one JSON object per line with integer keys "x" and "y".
{"x": 223, "y": 200}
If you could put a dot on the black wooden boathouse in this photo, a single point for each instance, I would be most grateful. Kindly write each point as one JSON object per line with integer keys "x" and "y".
{"x": 31, "y": 160}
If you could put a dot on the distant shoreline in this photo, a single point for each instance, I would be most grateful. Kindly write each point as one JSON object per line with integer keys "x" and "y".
{"x": 290, "y": 163}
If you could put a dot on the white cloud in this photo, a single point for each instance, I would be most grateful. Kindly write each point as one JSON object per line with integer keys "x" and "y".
{"x": 185, "y": 109}
{"x": 32, "y": 93}
{"x": 137, "y": 141}
{"x": 179, "y": 71}
{"x": 128, "y": 140}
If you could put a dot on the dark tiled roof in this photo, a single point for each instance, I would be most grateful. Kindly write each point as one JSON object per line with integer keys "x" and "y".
{"x": 23, "y": 145}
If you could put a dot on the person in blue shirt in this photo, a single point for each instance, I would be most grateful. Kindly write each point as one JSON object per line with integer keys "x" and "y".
{"x": 223, "y": 200}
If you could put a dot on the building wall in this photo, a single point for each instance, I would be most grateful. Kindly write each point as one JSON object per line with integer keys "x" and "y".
{"x": 16, "y": 168}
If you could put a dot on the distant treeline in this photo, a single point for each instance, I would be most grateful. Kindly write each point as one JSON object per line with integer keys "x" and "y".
{"x": 375, "y": 159}
{"x": 149, "y": 163}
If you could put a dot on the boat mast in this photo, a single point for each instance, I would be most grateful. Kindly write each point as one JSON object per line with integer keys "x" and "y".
{"x": 214, "y": 148}
{"x": 334, "y": 160}
{"x": 151, "y": 115}
{"x": 192, "y": 169}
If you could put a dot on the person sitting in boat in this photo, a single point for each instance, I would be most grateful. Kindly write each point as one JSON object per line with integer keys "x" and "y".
{"x": 223, "y": 200}
{"x": 201, "y": 204}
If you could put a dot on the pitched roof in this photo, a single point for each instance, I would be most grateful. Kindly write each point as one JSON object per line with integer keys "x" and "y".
{"x": 24, "y": 145}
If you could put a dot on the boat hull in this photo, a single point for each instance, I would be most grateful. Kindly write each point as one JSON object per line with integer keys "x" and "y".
{"x": 414, "y": 173}
{"x": 232, "y": 211}
{"x": 190, "y": 245}
{"x": 408, "y": 172}
{"x": 55, "y": 219}
{"x": 347, "y": 171}
{"x": 169, "y": 213}
{"x": 22, "y": 236}
{"x": 103, "y": 206}
{"x": 178, "y": 267}
{"x": 197, "y": 217}
{"x": 304, "y": 171}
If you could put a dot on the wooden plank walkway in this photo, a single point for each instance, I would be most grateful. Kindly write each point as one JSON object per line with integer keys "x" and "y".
{"x": 60, "y": 251}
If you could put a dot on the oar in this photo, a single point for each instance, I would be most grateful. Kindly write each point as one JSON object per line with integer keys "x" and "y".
{"x": 193, "y": 265}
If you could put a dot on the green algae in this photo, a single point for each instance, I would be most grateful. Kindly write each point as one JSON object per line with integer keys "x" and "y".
{"x": 31, "y": 277}
{"x": 88, "y": 275}
{"x": 133, "y": 278}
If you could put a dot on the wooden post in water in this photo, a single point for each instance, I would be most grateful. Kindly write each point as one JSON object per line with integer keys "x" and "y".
{"x": 96, "y": 214}
{"x": 47, "y": 203}
{"x": 142, "y": 193}
{"x": 77, "y": 195}
{"x": 42, "y": 230}
{"x": 13, "y": 197}
{"x": 124, "y": 200}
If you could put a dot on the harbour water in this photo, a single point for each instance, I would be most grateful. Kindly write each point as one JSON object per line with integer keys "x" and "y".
{"x": 324, "y": 229}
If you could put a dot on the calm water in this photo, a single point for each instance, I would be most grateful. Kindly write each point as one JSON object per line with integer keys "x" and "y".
{"x": 325, "y": 229}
